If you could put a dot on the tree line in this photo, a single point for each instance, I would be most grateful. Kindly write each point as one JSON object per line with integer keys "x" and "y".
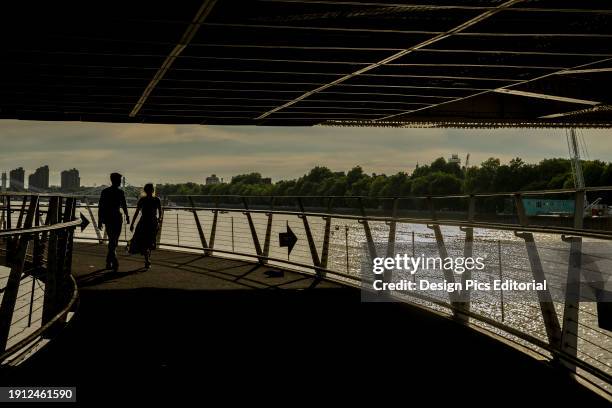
{"x": 440, "y": 177}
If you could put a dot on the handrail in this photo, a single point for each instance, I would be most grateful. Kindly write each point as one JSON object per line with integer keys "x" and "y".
{"x": 446, "y": 222}
{"x": 39, "y": 252}
{"x": 42, "y": 228}
{"x": 321, "y": 269}
{"x": 407, "y": 197}
{"x": 60, "y": 315}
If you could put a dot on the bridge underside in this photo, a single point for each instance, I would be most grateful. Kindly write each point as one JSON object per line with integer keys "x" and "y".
{"x": 302, "y": 63}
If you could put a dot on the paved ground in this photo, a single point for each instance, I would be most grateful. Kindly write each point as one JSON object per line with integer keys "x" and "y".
{"x": 198, "y": 327}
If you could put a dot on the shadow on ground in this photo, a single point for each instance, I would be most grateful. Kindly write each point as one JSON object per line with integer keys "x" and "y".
{"x": 155, "y": 342}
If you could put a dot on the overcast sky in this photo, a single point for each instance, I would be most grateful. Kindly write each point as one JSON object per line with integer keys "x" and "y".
{"x": 169, "y": 153}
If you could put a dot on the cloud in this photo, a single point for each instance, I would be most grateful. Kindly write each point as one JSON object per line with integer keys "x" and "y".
{"x": 177, "y": 153}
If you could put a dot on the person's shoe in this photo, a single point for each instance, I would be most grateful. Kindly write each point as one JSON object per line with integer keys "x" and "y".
{"x": 147, "y": 265}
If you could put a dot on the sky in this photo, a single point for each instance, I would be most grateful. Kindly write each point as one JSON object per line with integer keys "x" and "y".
{"x": 181, "y": 153}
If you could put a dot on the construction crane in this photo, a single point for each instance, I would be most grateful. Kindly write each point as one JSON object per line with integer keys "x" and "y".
{"x": 574, "y": 151}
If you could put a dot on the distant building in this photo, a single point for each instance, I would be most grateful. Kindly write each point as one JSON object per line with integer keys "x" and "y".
{"x": 70, "y": 180}
{"x": 213, "y": 180}
{"x": 39, "y": 180}
{"x": 3, "y": 181}
{"x": 16, "y": 179}
{"x": 455, "y": 159}
{"x": 539, "y": 206}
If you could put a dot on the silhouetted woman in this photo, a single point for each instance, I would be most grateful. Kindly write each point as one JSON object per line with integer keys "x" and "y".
{"x": 143, "y": 240}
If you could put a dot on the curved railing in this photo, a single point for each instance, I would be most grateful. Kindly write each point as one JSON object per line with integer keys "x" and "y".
{"x": 528, "y": 236}
{"x": 38, "y": 291}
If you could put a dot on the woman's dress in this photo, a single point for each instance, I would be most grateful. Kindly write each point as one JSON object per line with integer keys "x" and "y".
{"x": 145, "y": 234}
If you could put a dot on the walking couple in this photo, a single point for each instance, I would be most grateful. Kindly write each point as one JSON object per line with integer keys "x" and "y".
{"x": 112, "y": 202}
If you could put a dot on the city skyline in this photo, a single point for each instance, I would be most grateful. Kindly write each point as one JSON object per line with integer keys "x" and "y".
{"x": 189, "y": 153}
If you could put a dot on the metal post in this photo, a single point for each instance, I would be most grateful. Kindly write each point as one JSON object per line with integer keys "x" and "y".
{"x": 388, "y": 275}
{"x": 311, "y": 244}
{"x": 93, "y": 220}
{"x": 198, "y": 225}
{"x": 2, "y": 218}
{"x": 233, "y": 249}
{"x": 51, "y": 283}
{"x": 448, "y": 274}
{"x": 571, "y": 307}
{"x": 368, "y": 233}
{"x": 413, "y": 255}
{"x": 520, "y": 210}
{"x": 9, "y": 297}
{"x": 501, "y": 278}
{"x": 468, "y": 251}
{"x": 346, "y": 228}
{"x": 551, "y": 321}
{"x": 326, "y": 238}
{"x": 22, "y": 211}
{"x": 213, "y": 232}
{"x": 266, "y": 250}
{"x": 178, "y": 232}
{"x": 161, "y": 222}
{"x": 253, "y": 231}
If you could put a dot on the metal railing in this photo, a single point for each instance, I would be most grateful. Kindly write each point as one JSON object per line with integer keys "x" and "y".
{"x": 336, "y": 235}
{"x": 38, "y": 291}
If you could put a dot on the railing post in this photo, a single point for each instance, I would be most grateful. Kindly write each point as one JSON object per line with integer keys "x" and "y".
{"x": 8, "y": 212}
{"x": 22, "y": 211}
{"x": 549, "y": 315}
{"x": 266, "y": 249}
{"x": 520, "y": 210}
{"x": 388, "y": 275}
{"x": 311, "y": 244}
{"x": 94, "y": 221}
{"x": 161, "y": 222}
{"x": 448, "y": 274}
{"x": 199, "y": 226}
{"x": 468, "y": 251}
{"x": 326, "y": 237}
{"x": 213, "y": 228}
{"x": 366, "y": 228}
{"x": 9, "y": 297}
{"x": 253, "y": 231}
{"x": 51, "y": 283}
{"x": 2, "y": 210}
{"x": 571, "y": 306}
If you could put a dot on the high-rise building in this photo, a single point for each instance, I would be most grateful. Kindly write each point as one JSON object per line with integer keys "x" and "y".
{"x": 3, "y": 181}
{"x": 16, "y": 179}
{"x": 70, "y": 180}
{"x": 212, "y": 180}
{"x": 39, "y": 180}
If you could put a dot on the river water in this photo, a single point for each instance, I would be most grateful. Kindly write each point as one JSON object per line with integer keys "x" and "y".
{"x": 505, "y": 257}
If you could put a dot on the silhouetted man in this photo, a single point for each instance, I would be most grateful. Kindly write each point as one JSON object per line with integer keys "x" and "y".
{"x": 112, "y": 201}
